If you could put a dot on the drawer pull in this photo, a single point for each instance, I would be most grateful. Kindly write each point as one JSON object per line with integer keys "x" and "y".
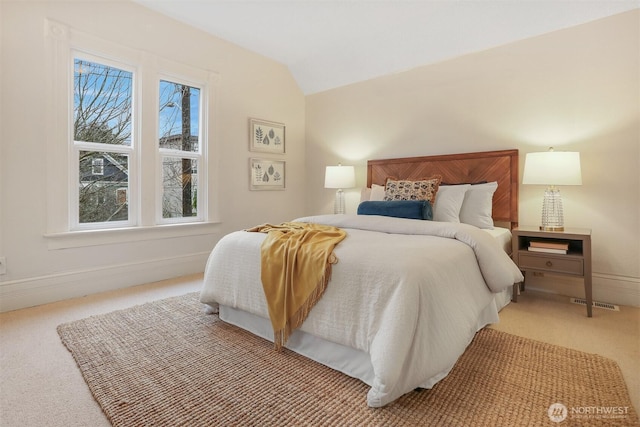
{"x": 549, "y": 264}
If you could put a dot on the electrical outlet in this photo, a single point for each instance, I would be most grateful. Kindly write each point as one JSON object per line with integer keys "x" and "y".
{"x": 3, "y": 265}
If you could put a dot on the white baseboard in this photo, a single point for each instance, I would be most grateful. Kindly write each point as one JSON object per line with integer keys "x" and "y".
{"x": 34, "y": 291}
{"x": 607, "y": 288}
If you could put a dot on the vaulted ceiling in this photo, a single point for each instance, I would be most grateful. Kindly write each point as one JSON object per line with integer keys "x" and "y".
{"x": 331, "y": 43}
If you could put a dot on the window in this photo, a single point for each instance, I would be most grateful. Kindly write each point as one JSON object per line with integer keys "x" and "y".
{"x": 121, "y": 196}
{"x": 102, "y": 141}
{"x": 179, "y": 148}
{"x": 97, "y": 167}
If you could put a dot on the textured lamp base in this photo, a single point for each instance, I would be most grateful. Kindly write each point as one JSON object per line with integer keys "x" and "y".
{"x": 552, "y": 214}
{"x": 338, "y": 206}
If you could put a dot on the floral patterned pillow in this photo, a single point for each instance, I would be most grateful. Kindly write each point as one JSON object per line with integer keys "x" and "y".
{"x": 424, "y": 189}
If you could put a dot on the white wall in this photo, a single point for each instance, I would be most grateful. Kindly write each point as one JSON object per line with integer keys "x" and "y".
{"x": 576, "y": 89}
{"x": 249, "y": 85}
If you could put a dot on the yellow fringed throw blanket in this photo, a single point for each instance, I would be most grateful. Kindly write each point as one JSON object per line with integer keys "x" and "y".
{"x": 296, "y": 265}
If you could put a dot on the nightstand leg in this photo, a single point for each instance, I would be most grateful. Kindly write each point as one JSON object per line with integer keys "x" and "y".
{"x": 586, "y": 251}
{"x": 587, "y": 293}
{"x": 517, "y": 288}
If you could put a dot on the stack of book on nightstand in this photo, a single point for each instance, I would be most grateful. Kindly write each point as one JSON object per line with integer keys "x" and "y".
{"x": 555, "y": 247}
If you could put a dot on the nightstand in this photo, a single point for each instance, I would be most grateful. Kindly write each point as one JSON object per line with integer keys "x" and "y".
{"x": 549, "y": 256}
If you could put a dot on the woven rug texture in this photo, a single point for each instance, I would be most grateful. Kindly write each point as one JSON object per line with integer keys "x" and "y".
{"x": 167, "y": 363}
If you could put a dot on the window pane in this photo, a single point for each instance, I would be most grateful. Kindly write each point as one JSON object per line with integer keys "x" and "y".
{"x": 179, "y": 124}
{"x": 179, "y": 189}
{"x": 103, "y": 196}
{"x": 102, "y": 97}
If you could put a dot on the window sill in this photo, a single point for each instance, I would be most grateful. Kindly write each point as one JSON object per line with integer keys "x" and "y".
{"x": 85, "y": 238}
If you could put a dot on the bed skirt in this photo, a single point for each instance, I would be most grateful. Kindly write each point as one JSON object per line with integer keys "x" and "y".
{"x": 350, "y": 361}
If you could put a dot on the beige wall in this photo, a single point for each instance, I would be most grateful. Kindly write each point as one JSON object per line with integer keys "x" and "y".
{"x": 575, "y": 89}
{"x": 249, "y": 85}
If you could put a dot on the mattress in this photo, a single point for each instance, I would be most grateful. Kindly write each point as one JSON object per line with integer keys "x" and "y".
{"x": 503, "y": 236}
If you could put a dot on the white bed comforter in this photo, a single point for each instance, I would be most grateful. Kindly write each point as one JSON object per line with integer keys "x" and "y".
{"x": 409, "y": 293}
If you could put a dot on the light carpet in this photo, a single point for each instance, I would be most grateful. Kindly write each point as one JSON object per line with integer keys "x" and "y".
{"x": 168, "y": 363}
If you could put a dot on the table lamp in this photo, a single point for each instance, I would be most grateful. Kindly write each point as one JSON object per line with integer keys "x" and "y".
{"x": 552, "y": 168}
{"x": 339, "y": 177}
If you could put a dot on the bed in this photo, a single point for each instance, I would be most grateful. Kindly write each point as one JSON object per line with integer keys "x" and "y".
{"x": 406, "y": 296}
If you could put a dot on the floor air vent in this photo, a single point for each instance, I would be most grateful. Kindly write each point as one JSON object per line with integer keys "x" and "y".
{"x": 596, "y": 304}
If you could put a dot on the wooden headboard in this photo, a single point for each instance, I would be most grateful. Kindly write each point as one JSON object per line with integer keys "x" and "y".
{"x": 500, "y": 166}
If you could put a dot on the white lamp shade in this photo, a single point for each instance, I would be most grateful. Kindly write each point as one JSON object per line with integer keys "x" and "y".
{"x": 340, "y": 177}
{"x": 552, "y": 168}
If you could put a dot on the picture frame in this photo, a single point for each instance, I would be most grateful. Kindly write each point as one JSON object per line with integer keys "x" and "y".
{"x": 266, "y": 174}
{"x": 266, "y": 136}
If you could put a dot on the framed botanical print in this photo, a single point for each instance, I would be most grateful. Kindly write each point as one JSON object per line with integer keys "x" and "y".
{"x": 266, "y": 136}
{"x": 266, "y": 174}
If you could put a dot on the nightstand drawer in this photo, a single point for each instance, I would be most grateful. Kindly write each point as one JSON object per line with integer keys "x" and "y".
{"x": 552, "y": 264}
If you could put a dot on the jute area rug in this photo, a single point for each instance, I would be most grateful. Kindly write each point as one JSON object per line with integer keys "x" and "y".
{"x": 166, "y": 363}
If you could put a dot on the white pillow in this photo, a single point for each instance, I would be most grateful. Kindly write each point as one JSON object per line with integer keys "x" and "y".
{"x": 449, "y": 199}
{"x": 365, "y": 194}
{"x": 478, "y": 205}
{"x": 377, "y": 193}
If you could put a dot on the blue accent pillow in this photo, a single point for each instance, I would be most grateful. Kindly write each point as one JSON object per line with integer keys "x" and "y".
{"x": 411, "y": 209}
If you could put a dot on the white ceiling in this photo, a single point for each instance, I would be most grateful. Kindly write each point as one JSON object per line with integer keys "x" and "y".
{"x": 331, "y": 43}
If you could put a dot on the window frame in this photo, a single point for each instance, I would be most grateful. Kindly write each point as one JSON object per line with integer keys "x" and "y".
{"x": 61, "y": 41}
